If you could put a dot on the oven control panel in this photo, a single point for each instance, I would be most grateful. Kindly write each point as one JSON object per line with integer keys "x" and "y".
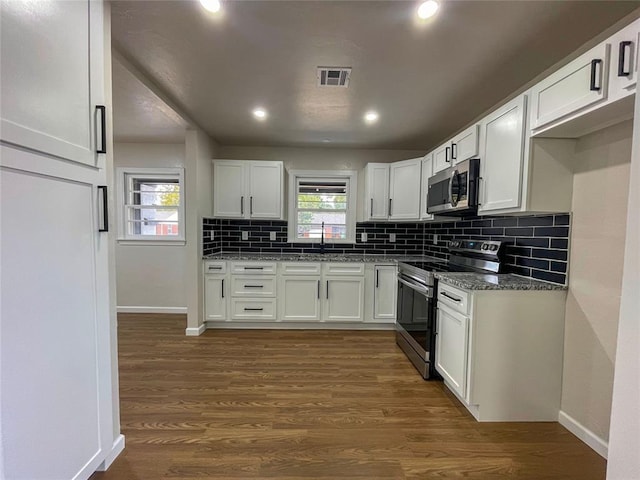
{"x": 477, "y": 246}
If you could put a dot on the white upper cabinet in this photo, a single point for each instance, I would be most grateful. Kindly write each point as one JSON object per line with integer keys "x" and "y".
{"x": 442, "y": 157}
{"x": 623, "y": 74}
{"x": 376, "y": 198}
{"x": 248, "y": 189}
{"x": 503, "y": 133}
{"x": 229, "y": 188}
{"x": 265, "y": 190}
{"x": 465, "y": 145}
{"x": 392, "y": 190}
{"x": 578, "y": 85}
{"x": 427, "y": 171}
{"x": 404, "y": 189}
{"x": 53, "y": 79}
{"x": 460, "y": 148}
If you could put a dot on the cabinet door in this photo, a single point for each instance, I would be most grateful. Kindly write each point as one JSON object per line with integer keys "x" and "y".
{"x": 299, "y": 298}
{"x": 215, "y": 297}
{"x": 452, "y": 346}
{"x": 465, "y": 145}
{"x": 623, "y": 73}
{"x": 427, "y": 171}
{"x": 377, "y": 201}
{"x": 503, "y": 156}
{"x": 265, "y": 190}
{"x": 229, "y": 198}
{"x": 384, "y": 296}
{"x": 579, "y": 84}
{"x": 53, "y": 78}
{"x": 343, "y": 299}
{"x": 404, "y": 189}
{"x": 441, "y": 157}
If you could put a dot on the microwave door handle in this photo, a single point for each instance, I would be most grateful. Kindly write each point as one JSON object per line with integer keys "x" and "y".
{"x": 450, "y": 199}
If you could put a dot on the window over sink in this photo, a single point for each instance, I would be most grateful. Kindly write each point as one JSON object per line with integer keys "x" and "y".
{"x": 151, "y": 204}
{"x": 322, "y": 206}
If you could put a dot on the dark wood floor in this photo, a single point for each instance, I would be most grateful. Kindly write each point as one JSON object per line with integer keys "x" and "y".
{"x": 310, "y": 405}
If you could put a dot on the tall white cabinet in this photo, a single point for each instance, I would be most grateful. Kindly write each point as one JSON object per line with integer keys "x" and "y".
{"x": 57, "y": 419}
{"x": 248, "y": 189}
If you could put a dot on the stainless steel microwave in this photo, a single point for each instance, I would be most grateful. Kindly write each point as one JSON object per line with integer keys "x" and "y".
{"x": 454, "y": 191}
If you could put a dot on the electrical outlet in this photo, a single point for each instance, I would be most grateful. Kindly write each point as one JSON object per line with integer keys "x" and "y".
{"x": 435, "y": 238}
{"x": 212, "y": 235}
{"x": 363, "y": 237}
{"x": 392, "y": 237}
{"x": 245, "y": 235}
{"x": 272, "y": 236}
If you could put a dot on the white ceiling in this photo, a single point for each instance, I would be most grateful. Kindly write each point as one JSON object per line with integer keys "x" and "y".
{"x": 426, "y": 80}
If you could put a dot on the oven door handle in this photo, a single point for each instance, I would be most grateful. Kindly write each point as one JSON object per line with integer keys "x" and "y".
{"x": 413, "y": 286}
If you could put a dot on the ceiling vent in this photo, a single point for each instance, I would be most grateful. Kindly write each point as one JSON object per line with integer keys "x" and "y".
{"x": 334, "y": 76}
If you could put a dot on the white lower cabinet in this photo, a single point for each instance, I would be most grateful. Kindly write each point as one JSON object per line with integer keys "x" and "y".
{"x": 215, "y": 299}
{"x": 299, "y": 297}
{"x": 313, "y": 292}
{"x": 500, "y": 351}
{"x": 216, "y": 291}
{"x": 451, "y": 345}
{"x": 384, "y": 292}
{"x": 344, "y": 299}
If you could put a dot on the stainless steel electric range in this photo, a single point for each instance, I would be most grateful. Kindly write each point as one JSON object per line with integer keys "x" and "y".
{"x": 416, "y": 302}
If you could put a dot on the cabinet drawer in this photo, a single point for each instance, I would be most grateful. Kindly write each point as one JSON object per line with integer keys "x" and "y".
{"x": 253, "y": 286}
{"x": 454, "y": 298}
{"x": 215, "y": 266}
{"x": 253, "y": 309}
{"x": 343, "y": 269}
{"x": 299, "y": 268}
{"x": 254, "y": 268}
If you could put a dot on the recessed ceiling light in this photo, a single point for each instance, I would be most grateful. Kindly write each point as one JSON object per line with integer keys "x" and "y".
{"x": 212, "y": 5}
{"x": 428, "y": 9}
{"x": 260, "y": 113}
{"x": 371, "y": 117}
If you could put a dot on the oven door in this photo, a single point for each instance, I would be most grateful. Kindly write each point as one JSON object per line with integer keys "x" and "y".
{"x": 416, "y": 316}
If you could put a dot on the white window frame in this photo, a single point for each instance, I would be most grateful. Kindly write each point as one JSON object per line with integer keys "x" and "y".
{"x": 124, "y": 236}
{"x": 351, "y": 178}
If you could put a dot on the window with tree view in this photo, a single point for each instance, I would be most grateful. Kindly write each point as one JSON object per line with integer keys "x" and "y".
{"x": 322, "y": 209}
{"x": 153, "y": 205}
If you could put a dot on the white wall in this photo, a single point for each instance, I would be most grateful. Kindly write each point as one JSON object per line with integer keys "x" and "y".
{"x": 317, "y": 158}
{"x": 624, "y": 444}
{"x": 599, "y": 206}
{"x": 200, "y": 149}
{"x": 151, "y": 275}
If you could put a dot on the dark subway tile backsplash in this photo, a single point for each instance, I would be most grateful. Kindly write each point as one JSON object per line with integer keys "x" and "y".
{"x": 536, "y": 246}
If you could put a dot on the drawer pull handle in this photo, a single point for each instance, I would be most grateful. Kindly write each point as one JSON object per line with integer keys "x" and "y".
{"x": 247, "y": 309}
{"x": 254, "y": 286}
{"x": 455, "y": 299}
{"x": 594, "y": 63}
{"x": 621, "y": 59}
{"x": 254, "y": 268}
{"x": 211, "y": 267}
{"x": 222, "y": 288}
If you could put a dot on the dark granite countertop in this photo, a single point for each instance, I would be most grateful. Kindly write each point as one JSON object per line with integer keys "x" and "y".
{"x": 503, "y": 281}
{"x": 312, "y": 257}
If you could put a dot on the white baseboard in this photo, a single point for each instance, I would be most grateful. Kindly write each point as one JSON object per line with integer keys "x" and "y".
{"x": 195, "y": 331}
{"x": 583, "y": 433}
{"x": 306, "y": 325}
{"x": 118, "y": 447}
{"x": 142, "y": 309}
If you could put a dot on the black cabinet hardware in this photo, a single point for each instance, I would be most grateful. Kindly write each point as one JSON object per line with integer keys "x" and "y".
{"x": 222, "y": 288}
{"x": 254, "y": 268}
{"x": 327, "y": 289}
{"x": 254, "y": 286}
{"x": 621, "y": 58}
{"x": 454, "y": 151}
{"x": 247, "y": 309}
{"x": 105, "y": 209}
{"x": 250, "y": 205}
{"x": 446, "y": 154}
{"x": 377, "y": 278}
{"x": 241, "y": 205}
{"x": 102, "y": 110}
{"x": 594, "y": 64}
